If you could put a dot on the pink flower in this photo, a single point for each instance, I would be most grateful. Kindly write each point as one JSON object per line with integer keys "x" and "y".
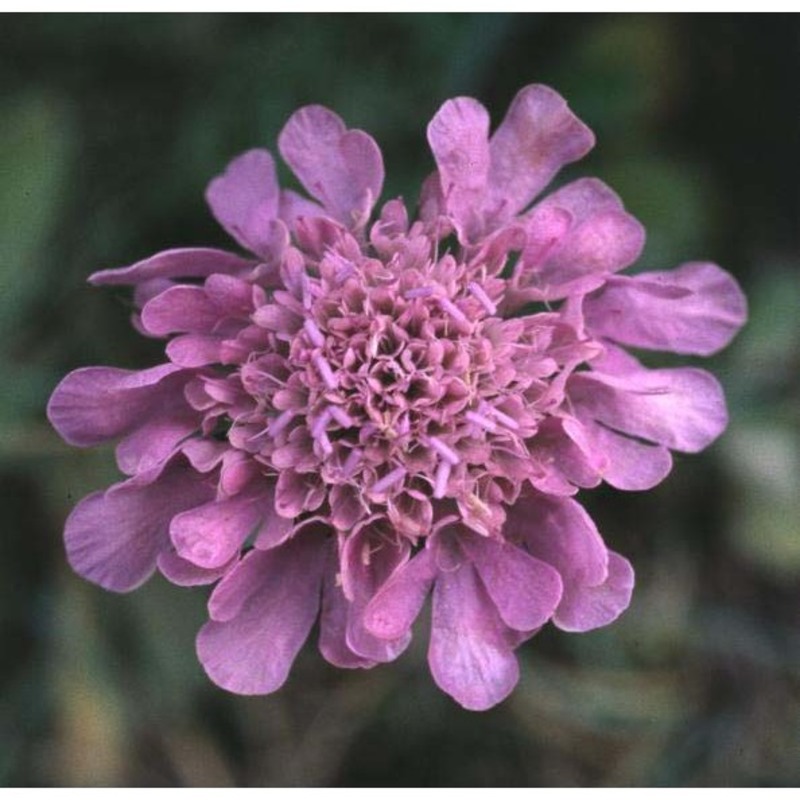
{"x": 356, "y": 415}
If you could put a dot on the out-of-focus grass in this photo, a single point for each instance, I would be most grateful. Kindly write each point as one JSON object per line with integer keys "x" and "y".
{"x": 110, "y": 128}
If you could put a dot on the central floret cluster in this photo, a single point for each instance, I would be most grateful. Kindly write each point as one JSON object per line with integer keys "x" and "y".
{"x": 389, "y": 381}
{"x": 362, "y": 414}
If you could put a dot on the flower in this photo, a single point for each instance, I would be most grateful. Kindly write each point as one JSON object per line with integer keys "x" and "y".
{"x": 356, "y": 415}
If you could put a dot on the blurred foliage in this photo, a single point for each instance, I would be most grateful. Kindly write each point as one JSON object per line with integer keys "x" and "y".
{"x": 111, "y": 125}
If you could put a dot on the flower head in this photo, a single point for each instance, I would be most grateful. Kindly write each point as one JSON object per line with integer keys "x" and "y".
{"x": 360, "y": 413}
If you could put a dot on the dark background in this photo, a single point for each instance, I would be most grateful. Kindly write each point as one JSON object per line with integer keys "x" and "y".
{"x": 110, "y": 127}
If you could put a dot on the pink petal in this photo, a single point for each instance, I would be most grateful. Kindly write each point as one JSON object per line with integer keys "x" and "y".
{"x": 186, "y": 262}
{"x": 470, "y": 654}
{"x": 558, "y": 531}
{"x": 632, "y": 465}
{"x": 577, "y": 236}
{"x": 643, "y": 312}
{"x": 244, "y": 199}
{"x": 347, "y": 506}
{"x": 367, "y": 562}
{"x": 341, "y": 168}
{"x": 524, "y": 589}
{"x": 94, "y": 404}
{"x": 210, "y": 535}
{"x": 565, "y": 451}
{"x": 591, "y": 607}
{"x": 293, "y": 207}
{"x": 538, "y": 136}
{"x": 180, "y": 309}
{"x": 318, "y": 235}
{"x": 392, "y": 611}
{"x": 432, "y": 207}
{"x": 333, "y": 622}
{"x": 615, "y": 360}
{"x": 546, "y": 227}
{"x": 232, "y": 295}
{"x": 114, "y": 537}
{"x": 183, "y": 573}
{"x": 274, "y": 529}
{"x": 237, "y": 471}
{"x": 297, "y": 453}
{"x": 232, "y": 593}
{"x": 597, "y": 583}
{"x": 275, "y": 317}
{"x": 295, "y": 493}
{"x": 194, "y": 350}
{"x": 581, "y": 199}
{"x": 682, "y": 408}
{"x": 458, "y": 136}
{"x": 142, "y": 292}
{"x": 204, "y": 454}
{"x": 494, "y": 250}
{"x": 158, "y": 437}
{"x": 275, "y": 597}
{"x": 607, "y": 242}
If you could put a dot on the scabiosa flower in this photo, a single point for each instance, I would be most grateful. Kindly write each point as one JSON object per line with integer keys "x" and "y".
{"x": 358, "y": 414}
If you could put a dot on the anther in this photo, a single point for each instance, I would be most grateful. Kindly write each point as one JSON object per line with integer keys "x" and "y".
{"x": 504, "y": 419}
{"x": 281, "y": 421}
{"x": 314, "y": 333}
{"x": 325, "y": 371}
{"x": 325, "y": 443}
{"x": 442, "y": 477}
{"x": 453, "y": 310}
{"x": 321, "y": 423}
{"x": 447, "y": 453}
{"x": 305, "y": 287}
{"x": 419, "y": 291}
{"x": 387, "y": 481}
{"x": 483, "y": 298}
{"x": 341, "y": 416}
{"x": 351, "y": 462}
{"x": 481, "y": 420}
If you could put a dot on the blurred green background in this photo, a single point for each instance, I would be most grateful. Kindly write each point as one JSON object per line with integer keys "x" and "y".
{"x": 110, "y": 128}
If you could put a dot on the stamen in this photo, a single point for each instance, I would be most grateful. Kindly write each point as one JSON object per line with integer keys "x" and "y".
{"x": 419, "y": 291}
{"x": 504, "y": 419}
{"x": 442, "y": 476}
{"x": 352, "y": 461}
{"x": 389, "y": 480}
{"x": 325, "y": 371}
{"x": 481, "y": 420}
{"x": 341, "y": 416}
{"x": 321, "y": 423}
{"x": 443, "y": 450}
{"x": 453, "y": 310}
{"x": 281, "y": 421}
{"x": 305, "y": 287}
{"x": 314, "y": 333}
{"x": 325, "y": 443}
{"x": 483, "y": 298}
